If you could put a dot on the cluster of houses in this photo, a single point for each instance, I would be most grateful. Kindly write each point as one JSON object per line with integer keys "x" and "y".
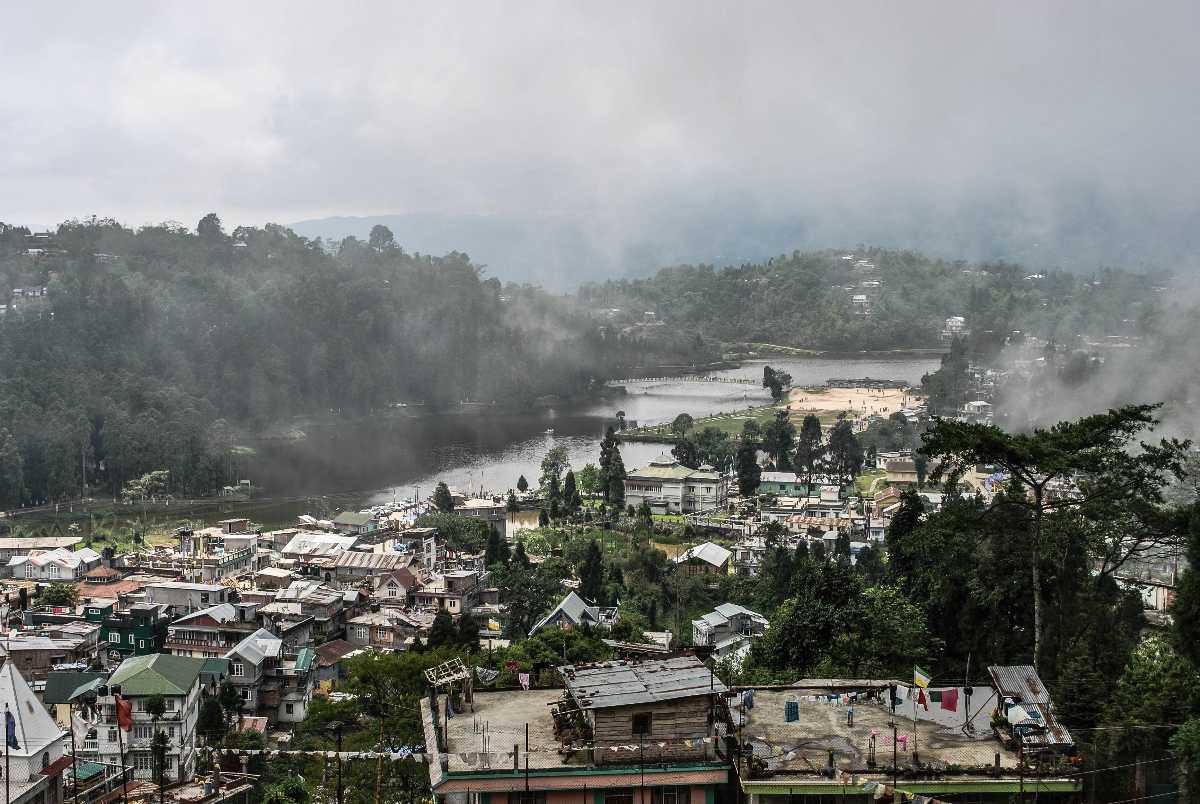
{"x": 274, "y": 614}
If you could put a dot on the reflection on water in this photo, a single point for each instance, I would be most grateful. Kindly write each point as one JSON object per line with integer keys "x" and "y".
{"x": 396, "y": 456}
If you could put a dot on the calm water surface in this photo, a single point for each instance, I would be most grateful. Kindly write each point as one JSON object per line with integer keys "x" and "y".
{"x": 391, "y": 457}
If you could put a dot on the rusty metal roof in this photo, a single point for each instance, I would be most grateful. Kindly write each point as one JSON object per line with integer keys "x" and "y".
{"x": 619, "y": 683}
{"x": 1022, "y": 684}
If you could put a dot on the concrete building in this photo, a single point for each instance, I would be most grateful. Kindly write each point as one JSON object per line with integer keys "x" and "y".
{"x": 625, "y": 732}
{"x": 455, "y": 591}
{"x": 178, "y": 680}
{"x": 272, "y": 681}
{"x": 187, "y": 598}
{"x": 211, "y": 632}
{"x": 668, "y": 487}
{"x": 728, "y": 630}
{"x": 59, "y": 564}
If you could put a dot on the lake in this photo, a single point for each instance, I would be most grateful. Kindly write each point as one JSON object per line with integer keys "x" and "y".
{"x": 388, "y": 457}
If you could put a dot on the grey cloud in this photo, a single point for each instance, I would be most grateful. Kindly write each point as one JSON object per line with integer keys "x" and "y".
{"x": 975, "y": 127}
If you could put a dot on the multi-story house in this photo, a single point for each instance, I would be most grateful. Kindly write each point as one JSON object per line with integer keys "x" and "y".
{"x": 308, "y": 599}
{"x": 211, "y": 632}
{"x": 178, "y": 680}
{"x": 138, "y": 630}
{"x": 668, "y": 487}
{"x": 272, "y": 680}
{"x": 728, "y": 630}
{"x": 393, "y": 588}
{"x": 749, "y": 555}
{"x": 59, "y": 564}
{"x": 386, "y": 628}
{"x": 187, "y": 598}
{"x": 455, "y": 591}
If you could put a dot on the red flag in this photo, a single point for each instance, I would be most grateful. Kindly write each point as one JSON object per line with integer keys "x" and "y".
{"x": 921, "y": 699}
{"x": 950, "y": 699}
{"x": 124, "y": 713}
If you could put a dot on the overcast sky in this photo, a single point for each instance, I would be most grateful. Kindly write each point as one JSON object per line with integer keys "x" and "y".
{"x": 837, "y": 111}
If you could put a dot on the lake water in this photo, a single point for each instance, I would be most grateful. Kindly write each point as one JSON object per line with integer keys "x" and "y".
{"x": 387, "y": 457}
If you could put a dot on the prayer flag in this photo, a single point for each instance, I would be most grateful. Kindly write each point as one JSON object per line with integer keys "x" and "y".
{"x": 920, "y": 677}
{"x": 950, "y": 699}
{"x": 10, "y": 730}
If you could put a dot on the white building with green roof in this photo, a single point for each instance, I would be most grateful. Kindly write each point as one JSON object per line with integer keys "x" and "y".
{"x": 178, "y": 680}
{"x": 669, "y": 487}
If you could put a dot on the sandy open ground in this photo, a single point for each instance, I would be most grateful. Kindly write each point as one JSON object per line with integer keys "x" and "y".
{"x": 861, "y": 401}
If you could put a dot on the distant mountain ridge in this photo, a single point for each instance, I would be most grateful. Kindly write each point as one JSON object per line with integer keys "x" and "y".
{"x": 1079, "y": 232}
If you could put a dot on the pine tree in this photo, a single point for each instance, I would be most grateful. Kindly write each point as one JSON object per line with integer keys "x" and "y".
{"x": 443, "y": 632}
{"x": 570, "y": 494}
{"x": 749, "y": 473}
{"x": 616, "y": 480}
{"x": 591, "y": 573}
{"x": 522, "y": 484}
{"x": 1186, "y": 608}
{"x": 442, "y": 499}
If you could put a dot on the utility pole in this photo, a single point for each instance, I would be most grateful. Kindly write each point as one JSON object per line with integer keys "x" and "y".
{"x": 895, "y": 758}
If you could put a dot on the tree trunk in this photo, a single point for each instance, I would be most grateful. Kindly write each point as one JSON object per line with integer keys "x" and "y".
{"x": 1036, "y": 566}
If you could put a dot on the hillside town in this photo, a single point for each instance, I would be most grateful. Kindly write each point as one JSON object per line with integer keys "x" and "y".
{"x": 173, "y": 670}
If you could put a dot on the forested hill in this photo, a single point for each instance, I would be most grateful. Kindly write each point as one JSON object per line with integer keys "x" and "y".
{"x": 151, "y": 348}
{"x": 807, "y": 300}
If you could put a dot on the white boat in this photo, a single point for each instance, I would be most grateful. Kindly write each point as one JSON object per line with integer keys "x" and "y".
{"x": 549, "y": 431}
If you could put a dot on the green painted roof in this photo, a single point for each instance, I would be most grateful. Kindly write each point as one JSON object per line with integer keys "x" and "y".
{"x": 157, "y": 674}
{"x": 305, "y": 659}
{"x": 87, "y": 770}
{"x": 351, "y": 518}
{"x": 62, "y": 684}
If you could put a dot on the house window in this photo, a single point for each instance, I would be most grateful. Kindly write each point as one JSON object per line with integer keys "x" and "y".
{"x": 131, "y": 639}
{"x": 28, "y": 570}
{"x": 170, "y": 704}
{"x": 528, "y": 797}
{"x": 671, "y": 795}
{"x": 141, "y": 643}
{"x": 53, "y": 570}
{"x": 363, "y": 633}
{"x": 643, "y": 722}
{"x": 290, "y": 708}
{"x": 391, "y": 591}
{"x": 237, "y": 669}
{"x": 112, "y": 735}
{"x": 142, "y": 732}
{"x": 619, "y": 797}
{"x": 142, "y": 762}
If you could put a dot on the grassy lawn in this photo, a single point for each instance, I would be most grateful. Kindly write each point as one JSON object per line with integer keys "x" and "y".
{"x": 864, "y": 482}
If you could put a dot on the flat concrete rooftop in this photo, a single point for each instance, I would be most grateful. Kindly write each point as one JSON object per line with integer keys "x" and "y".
{"x": 802, "y": 747}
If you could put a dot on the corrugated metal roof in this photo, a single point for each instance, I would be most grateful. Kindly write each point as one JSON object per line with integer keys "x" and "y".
{"x": 1020, "y": 682}
{"x": 608, "y": 684}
